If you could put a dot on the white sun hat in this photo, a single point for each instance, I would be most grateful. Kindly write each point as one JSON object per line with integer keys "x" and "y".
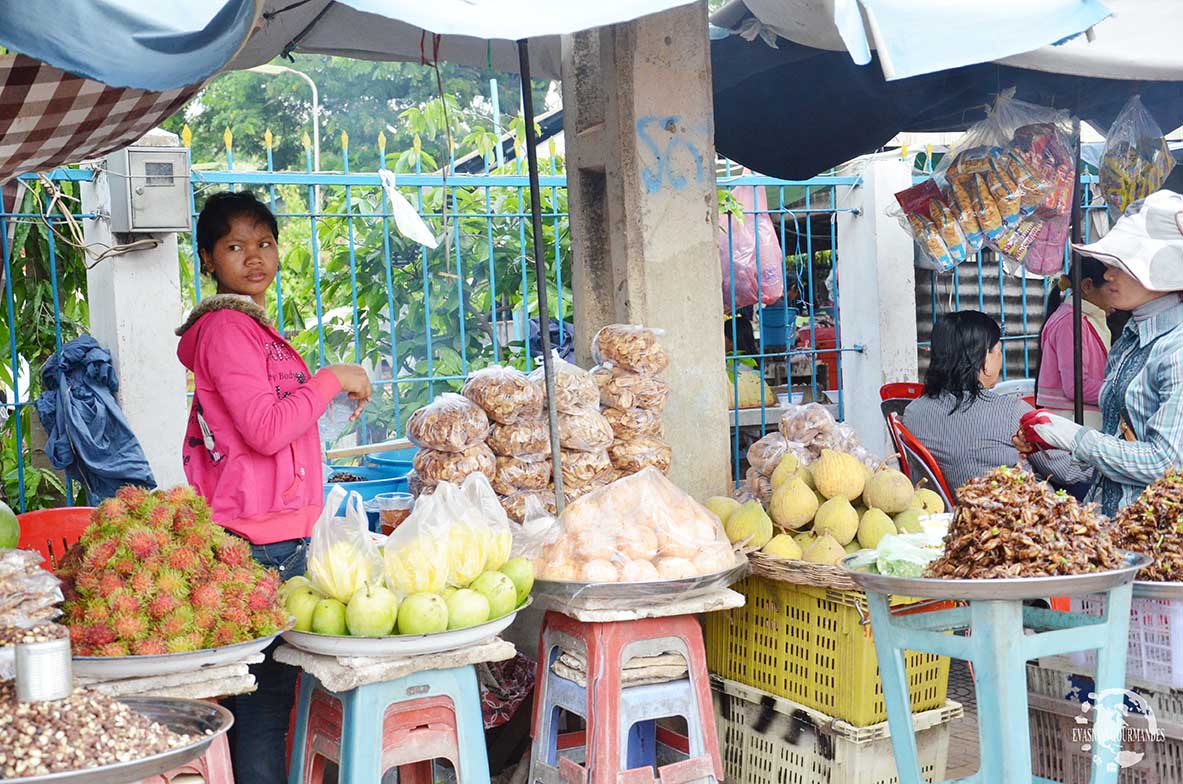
{"x": 1146, "y": 242}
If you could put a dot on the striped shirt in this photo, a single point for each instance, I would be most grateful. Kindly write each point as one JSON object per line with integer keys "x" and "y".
{"x": 977, "y": 438}
{"x": 1152, "y": 406}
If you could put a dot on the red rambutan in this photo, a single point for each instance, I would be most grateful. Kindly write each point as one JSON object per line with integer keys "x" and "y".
{"x": 185, "y": 642}
{"x": 143, "y": 582}
{"x": 87, "y": 583}
{"x": 173, "y": 583}
{"x": 111, "y": 649}
{"x": 97, "y": 634}
{"x": 132, "y": 496}
{"x": 207, "y": 596}
{"x": 184, "y": 520}
{"x": 74, "y": 614}
{"x": 195, "y": 540}
{"x": 96, "y": 611}
{"x": 233, "y": 551}
{"x": 179, "y": 494}
{"x": 162, "y": 516}
{"x": 178, "y": 622}
{"x": 109, "y": 583}
{"x": 141, "y": 542}
{"x": 99, "y": 555}
{"x": 109, "y": 511}
{"x": 182, "y": 559}
{"x": 123, "y": 602}
{"x": 161, "y": 606}
{"x": 260, "y": 599}
{"x": 220, "y": 573}
{"x": 236, "y": 615}
{"x": 225, "y": 635}
{"x": 206, "y": 619}
{"x": 151, "y": 646}
{"x": 123, "y": 564}
{"x": 130, "y": 627}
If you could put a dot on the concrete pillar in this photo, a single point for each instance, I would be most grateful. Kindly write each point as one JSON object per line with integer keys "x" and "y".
{"x": 877, "y": 295}
{"x": 135, "y": 304}
{"x": 639, "y": 133}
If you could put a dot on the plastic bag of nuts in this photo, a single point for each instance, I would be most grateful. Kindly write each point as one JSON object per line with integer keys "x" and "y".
{"x": 434, "y": 467}
{"x": 765, "y": 454}
{"x": 581, "y": 468}
{"x": 632, "y": 347}
{"x": 576, "y": 492}
{"x": 633, "y": 422}
{"x": 527, "y": 438}
{"x": 450, "y": 423}
{"x": 527, "y": 504}
{"x": 624, "y": 389}
{"x": 629, "y": 457}
{"x": 514, "y": 475}
{"x": 575, "y": 389}
{"x": 504, "y": 393}
{"x": 805, "y": 423}
{"x": 587, "y": 431}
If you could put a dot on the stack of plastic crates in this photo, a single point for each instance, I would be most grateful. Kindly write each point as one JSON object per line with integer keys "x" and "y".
{"x": 1155, "y": 653}
{"x": 813, "y": 646}
{"x": 771, "y": 740}
{"x": 1060, "y": 698}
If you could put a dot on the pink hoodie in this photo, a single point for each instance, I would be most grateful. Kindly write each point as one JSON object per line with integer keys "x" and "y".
{"x": 257, "y": 461}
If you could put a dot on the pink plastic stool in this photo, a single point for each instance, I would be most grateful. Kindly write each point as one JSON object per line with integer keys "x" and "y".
{"x": 213, "y": 766}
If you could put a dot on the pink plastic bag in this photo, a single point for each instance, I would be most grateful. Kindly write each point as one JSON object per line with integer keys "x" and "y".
{"x": 740, "y": 251}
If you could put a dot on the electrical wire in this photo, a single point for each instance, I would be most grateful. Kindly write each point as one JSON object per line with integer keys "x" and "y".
{"x": 76, "y": 238}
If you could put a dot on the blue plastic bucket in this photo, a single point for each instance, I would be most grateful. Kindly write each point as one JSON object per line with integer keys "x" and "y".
{"x": 375, "y": 480}
{"x": 777, "y": 331}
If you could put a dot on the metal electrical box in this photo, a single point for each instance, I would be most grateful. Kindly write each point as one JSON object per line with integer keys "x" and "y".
{"x": 149, "y": 189}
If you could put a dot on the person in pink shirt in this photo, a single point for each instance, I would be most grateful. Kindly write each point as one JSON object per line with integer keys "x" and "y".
{"x": 1056, "y": 386}
{"x": 252, "y": 447}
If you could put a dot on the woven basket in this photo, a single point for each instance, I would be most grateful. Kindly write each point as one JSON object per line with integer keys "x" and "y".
{"x": 801, "y": 572}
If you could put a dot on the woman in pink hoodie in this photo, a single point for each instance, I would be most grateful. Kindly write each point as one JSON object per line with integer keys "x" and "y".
{"x": 252, "y": 448}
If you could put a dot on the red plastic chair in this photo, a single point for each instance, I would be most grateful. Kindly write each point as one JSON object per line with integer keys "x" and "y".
{"x": 918, "y": 461}
{"x": 894, "y": 398}
{"x": 52, "y": 531}
{"x": 901, "y": 390}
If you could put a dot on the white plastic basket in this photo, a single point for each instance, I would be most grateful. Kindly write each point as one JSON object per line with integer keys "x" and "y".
{"x": 767, "y": 739}
{"x": 1156, "y": 639}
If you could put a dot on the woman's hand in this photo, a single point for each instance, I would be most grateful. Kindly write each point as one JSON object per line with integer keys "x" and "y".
{"x": 1020, "y": 443}
{"x": 356, "y": 382}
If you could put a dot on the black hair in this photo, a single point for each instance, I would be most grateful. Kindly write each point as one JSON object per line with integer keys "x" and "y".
{"x": 960, "y": 343}
{"x": 1090, "y": 269}
{"x": 221, "y": 208}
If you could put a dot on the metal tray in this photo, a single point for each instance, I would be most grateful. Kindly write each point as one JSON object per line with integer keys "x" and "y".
{"x": 398, "y": 645}
{"x": 1008, "y": 588}
{"x": 118, "y": 667}
{"x": 638, "y": 592}
{"x": 189, "y": 717}
{"x": 1157, "y": 590}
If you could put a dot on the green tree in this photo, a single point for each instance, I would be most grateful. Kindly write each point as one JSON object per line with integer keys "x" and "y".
{"x": 359, "y": 97}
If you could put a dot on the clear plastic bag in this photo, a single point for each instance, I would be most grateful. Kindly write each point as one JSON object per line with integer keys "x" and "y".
{"x": 632, "y": 347}
{"x": 1136, "y": 160}
{"x": 803, "y": 424}
{"x": 450, "y": 423}
{"x": 342, "y": 556}
{"x": 633, "y": 422}
{"x": 755, "y": 278}
{"x": 434, "y": 467}
{"x": 505, "y": 394}
{"x": 908, "y": 555}
{"x": 529, "y": 438}
{"x": 933, "y": 225}
{"x": 585, "y": 431}
{"x": 416, "y": 557}
{"x": 515, "y": 475}
{"x": 624, "y": 389}
{"x": 28, "y": 593}
{"x": 758, "y": 485}
{"x": 765, "y": 455}
{"x": 335, "y": 420}
{"x": 640, "y": 528}
{"x": 639, "y": 453}
{"x": 575, "y": 389}
{"x": 522, "y": 507}
{"x": 582, "y": 468}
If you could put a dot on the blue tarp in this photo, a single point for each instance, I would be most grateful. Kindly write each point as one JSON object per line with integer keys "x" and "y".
{"x": 795, "y": 111}
{"x": 89, "y": 438}
{"x": 158, "y": 45}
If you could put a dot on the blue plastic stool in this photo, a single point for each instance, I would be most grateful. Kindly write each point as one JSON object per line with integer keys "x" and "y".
{"x": 403, "y": 724}
{"x": 998, "y": 649}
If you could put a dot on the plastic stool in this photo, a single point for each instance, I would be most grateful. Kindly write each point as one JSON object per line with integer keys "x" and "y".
{"x": 622, "y": 733}
{"x": 214, "y": 766}
{"x": 404, "y": 724}
{"x": 999, "y": 648}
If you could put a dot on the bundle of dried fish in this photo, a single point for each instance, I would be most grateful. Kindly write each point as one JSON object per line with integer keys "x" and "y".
{"x": 1154, "y": 525}
{"x": 1010, "y": 524}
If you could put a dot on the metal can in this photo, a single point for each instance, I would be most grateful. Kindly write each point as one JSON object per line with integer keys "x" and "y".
{"x": 44, "y": 671}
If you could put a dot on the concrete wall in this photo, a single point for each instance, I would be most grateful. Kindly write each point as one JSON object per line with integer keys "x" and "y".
{"x": 640, "y": 140}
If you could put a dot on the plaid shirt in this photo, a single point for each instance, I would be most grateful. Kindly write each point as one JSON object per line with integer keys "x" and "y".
{"x": 1153, "y": 407}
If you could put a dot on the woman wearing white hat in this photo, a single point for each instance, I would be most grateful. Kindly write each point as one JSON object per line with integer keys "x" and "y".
{"x": 1141, "y": 400}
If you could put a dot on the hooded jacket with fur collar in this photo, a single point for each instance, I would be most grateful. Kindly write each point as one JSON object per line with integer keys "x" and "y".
{"x": 252, "y": 448}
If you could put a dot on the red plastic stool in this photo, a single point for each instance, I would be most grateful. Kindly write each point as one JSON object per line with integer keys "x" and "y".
{"x": 214, "y": 766}
{"x": 610, "y": 754}
{"x": 52, "y": 531}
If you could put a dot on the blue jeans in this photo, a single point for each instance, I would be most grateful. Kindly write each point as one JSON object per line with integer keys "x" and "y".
{"x": 259, "y": 750}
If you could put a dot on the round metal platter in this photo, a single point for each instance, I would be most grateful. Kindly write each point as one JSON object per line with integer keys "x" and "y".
{"x": 1008, "y": 588}
{"x": 397, "y": 645}
{"x": 118, "y": 667}
{"x": 632, "y": 592}
{"x": 1144, "y": 589}
{"x": 187, "y": 717}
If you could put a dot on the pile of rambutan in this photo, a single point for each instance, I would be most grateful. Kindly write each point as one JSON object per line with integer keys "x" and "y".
{"x": 154, "y": 574}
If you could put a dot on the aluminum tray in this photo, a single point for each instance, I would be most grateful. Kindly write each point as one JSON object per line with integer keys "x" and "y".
{"x": 118, "y": 667}
{"x": 189, "y": 717}
{"x": 1156, "y": 590}
{"x": 1008, "y": 588}
{"x": 398, "y": 645}
{"x": 635, "y": 592}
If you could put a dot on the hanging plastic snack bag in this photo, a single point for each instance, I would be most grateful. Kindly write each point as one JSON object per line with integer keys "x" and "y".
{"x": 932, "y": 235}
{"x": 342, "y": 556}
{"x": 416, "y": 555}
{"x": 1136, "y": 159}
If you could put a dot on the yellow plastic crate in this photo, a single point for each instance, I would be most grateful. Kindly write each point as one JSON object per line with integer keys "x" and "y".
{"x": 814, "y": 646}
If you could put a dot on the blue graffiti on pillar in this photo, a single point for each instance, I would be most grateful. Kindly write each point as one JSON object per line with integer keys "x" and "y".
{"x": 663, "y": 169}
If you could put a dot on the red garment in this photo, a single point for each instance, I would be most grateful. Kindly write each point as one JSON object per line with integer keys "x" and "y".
{"x": 258, "y": 460}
